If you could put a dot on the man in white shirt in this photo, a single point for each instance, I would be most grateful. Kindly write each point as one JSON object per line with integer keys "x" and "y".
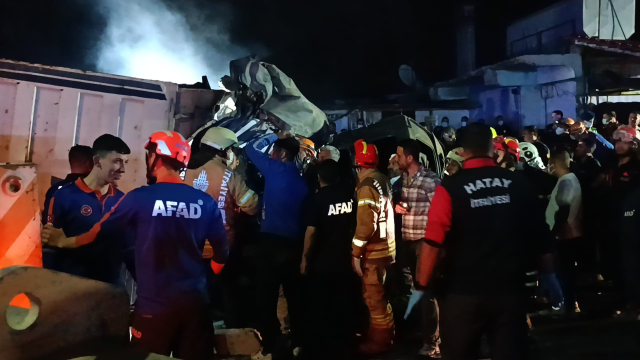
{"x": 564, "y": 217}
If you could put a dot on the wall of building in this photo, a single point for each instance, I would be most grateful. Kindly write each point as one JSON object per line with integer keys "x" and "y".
{"x": 526, "y": 105}
{"x": 553, "y": 25}
{"x": 453, "y": 115}
{"x": 350, "y": 120}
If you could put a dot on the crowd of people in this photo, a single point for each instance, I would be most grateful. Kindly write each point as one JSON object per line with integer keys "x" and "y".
{"x": 354, "y": 252}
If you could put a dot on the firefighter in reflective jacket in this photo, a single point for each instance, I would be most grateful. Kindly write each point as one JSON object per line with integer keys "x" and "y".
{"x": 171, "y": 221}
{"x": 222, "y": 183}
{"x": 232, "y": 194}
{"x": 374, "y": 246}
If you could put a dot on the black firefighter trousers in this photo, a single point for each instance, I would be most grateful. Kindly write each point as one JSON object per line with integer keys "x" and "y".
{"x": 278, "y": 263}
{"x": 465, "y": 318}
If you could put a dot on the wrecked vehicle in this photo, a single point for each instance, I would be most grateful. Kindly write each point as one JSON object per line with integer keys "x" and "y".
{"x": 260, "y": 98}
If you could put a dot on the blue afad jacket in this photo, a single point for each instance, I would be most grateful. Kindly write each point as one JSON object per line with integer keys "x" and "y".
{"x": 284, "y": 192}
{"x": 171, "y": 221}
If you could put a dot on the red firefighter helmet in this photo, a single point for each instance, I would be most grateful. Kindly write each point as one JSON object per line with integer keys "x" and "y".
{"x": 366, "y": 154}
{"x": 170, "y": 144}
{"x": 509, "y": 145}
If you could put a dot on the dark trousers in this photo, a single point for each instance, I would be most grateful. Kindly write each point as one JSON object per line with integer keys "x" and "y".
{"x": 428, "y": 303}
{"x": 237, "y": 304}
{"x": 185, "y": 329}
{"x": 568, "y": 256}
{"x": 331, "y": 311}
{"x": 465, "y": 318}
{"x": 278, "y": 263}
{"x": 630, "y": 268}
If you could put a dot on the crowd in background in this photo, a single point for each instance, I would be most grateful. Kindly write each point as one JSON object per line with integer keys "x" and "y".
{"x": 346, "y": 248}
{"x": 592, "y": 167}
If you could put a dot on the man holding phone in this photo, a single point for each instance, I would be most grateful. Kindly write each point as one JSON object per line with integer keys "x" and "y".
{"x": 418, "y": 187}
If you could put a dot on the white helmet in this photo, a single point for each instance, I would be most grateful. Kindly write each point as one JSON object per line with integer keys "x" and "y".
{"x": 529, "y": 152}
{"x": 219, "y": 138}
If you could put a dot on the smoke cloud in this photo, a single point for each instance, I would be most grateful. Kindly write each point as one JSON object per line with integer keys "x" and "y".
{"x": 147, "y": 39}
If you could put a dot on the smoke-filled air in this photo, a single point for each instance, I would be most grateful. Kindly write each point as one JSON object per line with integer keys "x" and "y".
{"x": 146, "y": 39}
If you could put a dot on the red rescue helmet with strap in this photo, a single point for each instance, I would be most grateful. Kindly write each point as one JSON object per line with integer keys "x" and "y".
{"x": 509, "y": 145}
{"x": 366, "y": 154}
{"x": 170, "y": 144}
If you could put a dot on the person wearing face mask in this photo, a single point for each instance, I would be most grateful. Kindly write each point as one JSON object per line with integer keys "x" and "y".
{"x": 609, "y": 125}
{"x": 440, "y": 129}
{"x": 550, "y": 131}
{"x": 464, "y": 121}
{"x": 562, "y": 140}
{"x": 501, "y": 127}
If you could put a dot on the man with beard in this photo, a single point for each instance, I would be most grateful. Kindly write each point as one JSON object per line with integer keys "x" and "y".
{"x": 418, "y": 187}
{"x": 78, "y": 206}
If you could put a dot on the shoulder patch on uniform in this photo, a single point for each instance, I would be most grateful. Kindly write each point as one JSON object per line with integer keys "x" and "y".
{"x": 201, "y": 182}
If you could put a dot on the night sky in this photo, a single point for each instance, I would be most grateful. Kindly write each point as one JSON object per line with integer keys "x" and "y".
{"x": 331, "y": 48}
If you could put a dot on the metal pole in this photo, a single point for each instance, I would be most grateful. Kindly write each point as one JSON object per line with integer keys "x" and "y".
{"x": 599, "y": 16}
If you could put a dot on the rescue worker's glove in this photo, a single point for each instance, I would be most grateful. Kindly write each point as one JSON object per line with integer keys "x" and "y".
{"x": 357, "y": 266}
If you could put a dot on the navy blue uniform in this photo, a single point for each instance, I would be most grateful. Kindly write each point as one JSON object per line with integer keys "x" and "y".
{"x": 76, "y": 208}
{"x": 70, "y": 179}
{"x": 171, "y": 221}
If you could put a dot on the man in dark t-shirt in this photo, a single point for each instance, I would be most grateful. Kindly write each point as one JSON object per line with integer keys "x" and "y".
{"x": 326, "y": 263}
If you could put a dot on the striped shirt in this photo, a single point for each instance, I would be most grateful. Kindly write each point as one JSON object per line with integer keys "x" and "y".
{"x": 417, "y": 193}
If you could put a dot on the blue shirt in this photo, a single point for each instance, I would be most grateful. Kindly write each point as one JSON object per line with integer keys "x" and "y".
{"x": 76, "y": 208}
{"x": 171, "y": 221}
{"x": 284, "y": 192}
{"x": 71, "y": 178}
